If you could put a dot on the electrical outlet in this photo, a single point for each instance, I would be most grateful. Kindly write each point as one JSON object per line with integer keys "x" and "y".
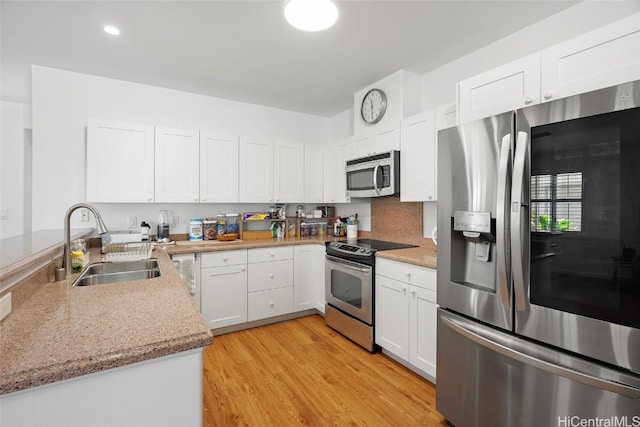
{"x": 5, "y": 306}
{"x": 84, "y": 215}
{"x": 132, "y": 221}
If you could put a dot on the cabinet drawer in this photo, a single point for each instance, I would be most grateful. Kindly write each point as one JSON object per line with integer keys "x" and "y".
{"x": 270, "y": 254}
{"x": 221, "y": 259}
{"x": 270, "y": 275}
{"x": 270, "y": 303}
{"x": 408, "y": 273}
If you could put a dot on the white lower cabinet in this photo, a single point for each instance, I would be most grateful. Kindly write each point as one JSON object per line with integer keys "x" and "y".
{"x": 406, "y": 312}
{"x": 308, "y": 277}
{"x": 270, "y": 282}
{"x": 224, "y": 288}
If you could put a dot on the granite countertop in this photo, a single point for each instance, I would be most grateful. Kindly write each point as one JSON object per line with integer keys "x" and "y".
{"x": 63, "y": 332}
{"x": 424, "y": 256}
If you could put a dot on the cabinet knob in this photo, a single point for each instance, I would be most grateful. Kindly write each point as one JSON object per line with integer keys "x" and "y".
{"x": 195, "y": 199}
{"x": 548, "y": 95}
{"x": 271, "y": 276}
{"x": 528, "y": 100}
{"x": 271, "y": 304}
{"x": 408, "y": 274}
{"x": 224, "y": 258}
{"x": 404, "y": 289}
{"x": 204, "y": 199}
{"x": 413, "y": 291}
{"x": 242, "y": 269}
{"x": 271, "y": 254}
{"x": 149, "y": 199}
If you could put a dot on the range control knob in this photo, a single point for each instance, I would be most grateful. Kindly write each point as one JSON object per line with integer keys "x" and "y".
{"x": 367, "y": 251}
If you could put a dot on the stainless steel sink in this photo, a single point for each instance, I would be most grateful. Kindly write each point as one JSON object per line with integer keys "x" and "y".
{"x": 122, "y": 266}
{"x": 112, "y": 272}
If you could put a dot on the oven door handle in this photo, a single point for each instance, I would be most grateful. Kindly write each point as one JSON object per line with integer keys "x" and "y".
{"x": 348, "y": 265}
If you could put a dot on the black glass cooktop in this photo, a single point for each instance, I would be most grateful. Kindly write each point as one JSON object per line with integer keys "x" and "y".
{"x": 381, "y": 245}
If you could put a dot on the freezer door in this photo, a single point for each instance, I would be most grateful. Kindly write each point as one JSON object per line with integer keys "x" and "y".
{"x": 576, "y": 266}
{"x": 474, "y": 181}
{"x": 487, "y": 377}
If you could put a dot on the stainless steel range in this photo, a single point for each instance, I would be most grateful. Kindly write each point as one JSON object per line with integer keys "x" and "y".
{"x": 349, "y": 287}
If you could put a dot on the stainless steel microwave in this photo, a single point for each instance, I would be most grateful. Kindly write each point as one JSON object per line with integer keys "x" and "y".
{"x": 374, "y": 176}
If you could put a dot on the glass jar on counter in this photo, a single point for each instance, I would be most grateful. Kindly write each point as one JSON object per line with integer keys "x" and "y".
{"x": 232, "y": 223}
{"x": 221, "y": 224}
{"x": 209, "y": 227}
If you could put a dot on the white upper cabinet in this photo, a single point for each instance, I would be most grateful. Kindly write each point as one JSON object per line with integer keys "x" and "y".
{"x": 256, "y": 170}
{"x": 177, "y": 178}
{"x": 604, "y": 57}
{"x": 335, "y": 176}
{"x": 288, "y": 174}
{"x": 376, "y": 141}
{"x": 120, "y": 162}
{"x": 508, "y": 87}
{"x": 313, "y": 173}
{"x": 218, "y": 168}
{"x": 418, "y": 158}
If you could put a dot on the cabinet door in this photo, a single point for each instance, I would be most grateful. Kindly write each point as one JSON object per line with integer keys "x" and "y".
{"x": 303, "y": 277}
{"x": 505, "y": 88}
{"x": 318, "y": 276}
{"x": 392, "y": 316}
{"x": 422, "y": 325}
{"x": 313, "y": 173}
{"x": 256, "y": 170}
{"x": 604, "y": 57}
{"x": 177, "y": 177}
{"x": 224, "y": 295}
{"x": 377, "y": 141}
{"x": 363, "y": 145}
{"x": 335, "y": 176}
{"x": 288, "y": 174}
{"x": 120, "y": 162}
{"x": 418, "y": 158}
{"x": 218, "y": 168}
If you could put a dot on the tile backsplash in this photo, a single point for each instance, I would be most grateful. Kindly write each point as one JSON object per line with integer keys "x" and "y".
{"x": 397, "y": 221}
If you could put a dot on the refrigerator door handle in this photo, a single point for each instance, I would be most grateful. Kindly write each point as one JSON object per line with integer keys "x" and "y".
{"x": 553, "y": 368}
{"x": 517, "y": 263}
{"x": 502, "y": 221}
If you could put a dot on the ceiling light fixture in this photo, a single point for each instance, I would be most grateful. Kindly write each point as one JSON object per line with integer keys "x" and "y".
{"x": 110, "y": 29}
{"x": 311, "y": 15}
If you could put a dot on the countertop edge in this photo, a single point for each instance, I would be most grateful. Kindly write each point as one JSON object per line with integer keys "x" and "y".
{"x": 50, "y": 374}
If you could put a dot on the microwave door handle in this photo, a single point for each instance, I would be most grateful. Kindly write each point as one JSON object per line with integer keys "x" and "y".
{"x": 375, "y": 178}
{"x": 502, "y": 221}
{"x": 516, "y": 219}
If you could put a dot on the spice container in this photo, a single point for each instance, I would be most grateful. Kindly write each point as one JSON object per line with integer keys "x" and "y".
{"x": 209, "y": 228}
{"x": 195, "y": 229}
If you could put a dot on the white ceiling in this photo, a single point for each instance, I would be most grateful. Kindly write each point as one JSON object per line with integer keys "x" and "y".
{"x": 245, "y": 50}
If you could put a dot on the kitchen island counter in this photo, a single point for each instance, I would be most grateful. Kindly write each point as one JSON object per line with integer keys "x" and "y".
{"x": 61, "y": 332}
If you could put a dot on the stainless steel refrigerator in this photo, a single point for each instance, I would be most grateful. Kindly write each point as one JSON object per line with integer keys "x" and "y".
{"x": 539, "y": 264}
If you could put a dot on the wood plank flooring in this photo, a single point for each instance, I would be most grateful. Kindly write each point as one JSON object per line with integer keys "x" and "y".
{"x": 301, "y": 372}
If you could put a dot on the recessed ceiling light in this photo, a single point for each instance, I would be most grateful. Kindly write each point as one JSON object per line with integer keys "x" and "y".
{"x": 110, "y": 29}
{"x": 311, "y": 15}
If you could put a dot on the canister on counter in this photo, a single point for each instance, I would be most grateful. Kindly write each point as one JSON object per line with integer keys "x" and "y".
{"x": 195, "y": 229}
{"x": 221, "y": 224}
{"x": 209, "y": 227}
{"x": 232, "y": 223}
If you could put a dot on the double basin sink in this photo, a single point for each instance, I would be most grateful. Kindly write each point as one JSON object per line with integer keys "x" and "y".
{"x": 122, "y": 271}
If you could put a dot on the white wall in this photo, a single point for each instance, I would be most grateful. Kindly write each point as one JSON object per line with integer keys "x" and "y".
{"x": 12, "y": 162}
{"x": 439, "y": 85}
{"x": 63, "y": 102}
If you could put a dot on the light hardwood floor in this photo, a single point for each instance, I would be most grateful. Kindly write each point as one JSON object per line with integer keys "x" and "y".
{"x": 301, "y": 372}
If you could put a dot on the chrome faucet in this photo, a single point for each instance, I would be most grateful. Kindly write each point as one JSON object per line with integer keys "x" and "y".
{"x": 67, "y": 233}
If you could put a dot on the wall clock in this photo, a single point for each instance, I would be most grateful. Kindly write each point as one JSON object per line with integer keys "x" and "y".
{"x": 374, "y": 104}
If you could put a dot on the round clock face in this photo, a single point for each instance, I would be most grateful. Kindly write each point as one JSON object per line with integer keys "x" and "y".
{"x": 373, "y": 106}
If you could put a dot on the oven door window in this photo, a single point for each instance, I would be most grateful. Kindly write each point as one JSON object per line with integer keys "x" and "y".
{"x": 585, "y": 217}
{"x": 347, "y": 288}
{"x": 362, "y": 179}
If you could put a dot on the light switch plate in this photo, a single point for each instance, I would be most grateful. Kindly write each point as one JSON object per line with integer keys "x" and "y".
{"x": 5, "y": 306}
